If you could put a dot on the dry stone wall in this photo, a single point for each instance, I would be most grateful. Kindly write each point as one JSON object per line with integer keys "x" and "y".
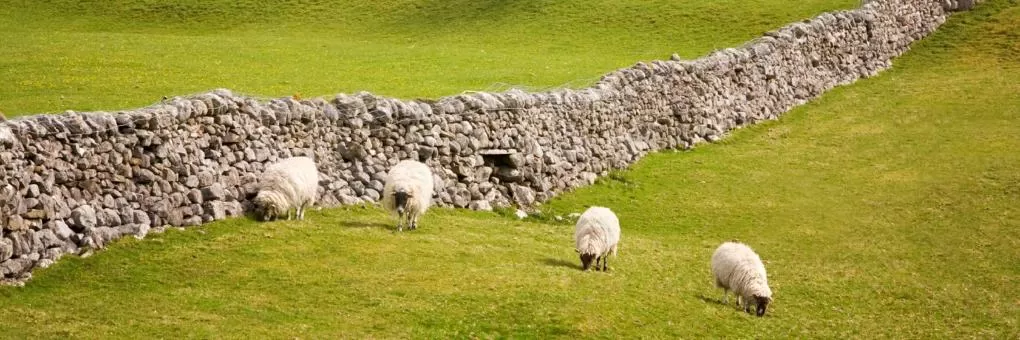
{"x": 78, "y": 180}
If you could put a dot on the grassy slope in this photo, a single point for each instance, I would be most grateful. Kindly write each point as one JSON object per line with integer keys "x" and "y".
{"x": 121, "y": 54}
{"x": 884, "y": 210}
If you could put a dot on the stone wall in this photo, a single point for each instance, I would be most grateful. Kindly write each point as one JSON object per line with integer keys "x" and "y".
{"x": 78, "y": 180}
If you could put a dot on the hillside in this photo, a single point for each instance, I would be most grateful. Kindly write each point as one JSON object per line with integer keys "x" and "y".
{"x": 885, "y": 209}
{"x": 122, "y": 54}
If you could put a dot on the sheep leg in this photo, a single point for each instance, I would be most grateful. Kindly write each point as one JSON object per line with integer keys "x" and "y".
{"x": 400, "y": 222}
{"x": 725, "y": 296}
{"x": 304, "y": 206}
{"x": 414, "y": 221}
{"x": 605, "y": 263}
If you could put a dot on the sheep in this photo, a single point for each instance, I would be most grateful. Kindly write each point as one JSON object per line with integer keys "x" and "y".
{"x": 596, "y": 235}
{"x": 738, "y": 268}
{"x": 288, "y": 183}
{"x": 408, "y": 192}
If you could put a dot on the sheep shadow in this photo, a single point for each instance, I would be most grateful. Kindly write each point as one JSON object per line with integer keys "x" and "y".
{"x": 358, "y": 224}
{"x": 707, "y": 299}
{"x": 254, "y": 217}
{"x": 717, "y": 300}
{"x": 560, "y": 263}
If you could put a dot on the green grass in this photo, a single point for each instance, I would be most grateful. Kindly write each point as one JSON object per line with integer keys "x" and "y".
{"x": 886, "y": 209}
{"x": 122, "y": 54}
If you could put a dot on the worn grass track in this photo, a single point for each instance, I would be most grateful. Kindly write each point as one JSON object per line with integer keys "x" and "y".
{"x": 885, "y": 209}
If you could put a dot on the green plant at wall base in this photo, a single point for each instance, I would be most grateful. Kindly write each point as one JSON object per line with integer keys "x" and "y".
{"x": 885, "y": 209}
{"x": 619, "y": 176}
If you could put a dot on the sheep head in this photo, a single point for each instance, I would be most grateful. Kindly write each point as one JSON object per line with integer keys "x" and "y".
{"x": 761, "y": 304}
{"x": 269, "y": 206}
{"x": 400, "y": 198}
{"x": 586, "y": 259}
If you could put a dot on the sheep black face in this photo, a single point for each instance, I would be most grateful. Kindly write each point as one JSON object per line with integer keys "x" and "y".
{"x": 761, "y": 303}
{"x": 267, "y": 211}
{"x": 268, "y": 206}
{"x": 586, "y": 261}
{"x": 400, "y": 200}
{"x": 263, "y": 213}
{"x": 264, "y": 209}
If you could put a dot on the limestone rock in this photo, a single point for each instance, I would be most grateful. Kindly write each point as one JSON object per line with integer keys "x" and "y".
{"x": 6, "y": 249}
{"x": 481, "y": 205}
{"x": 84, "y": 218}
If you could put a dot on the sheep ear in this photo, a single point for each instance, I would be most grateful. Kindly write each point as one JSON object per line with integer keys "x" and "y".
{"x": 577, "y": 251}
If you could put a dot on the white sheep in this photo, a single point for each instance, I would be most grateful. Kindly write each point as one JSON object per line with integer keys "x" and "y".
{"x": 596, "y": 235}
{"x": 408, "y": 192}
{"x": 738, "y": 268}
{"x": 286, "y": 184}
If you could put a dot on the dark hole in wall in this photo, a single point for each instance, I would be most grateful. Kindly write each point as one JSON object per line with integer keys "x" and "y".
{"x": 502, "y": 164}
{"x": 425, "y": 153}
{"x": 497, "y": 160}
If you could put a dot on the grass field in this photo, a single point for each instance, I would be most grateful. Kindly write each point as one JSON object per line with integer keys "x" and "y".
{"x": 122, "y": 54}
{"x": 885, "y": 209}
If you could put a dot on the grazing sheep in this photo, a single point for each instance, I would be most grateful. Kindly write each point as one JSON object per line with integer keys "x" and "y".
{"x": 596, "y": 234}
{"x": 289, "y": 183}
{"x": 408, "y": 192}
{"x": 738, "y": 268}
